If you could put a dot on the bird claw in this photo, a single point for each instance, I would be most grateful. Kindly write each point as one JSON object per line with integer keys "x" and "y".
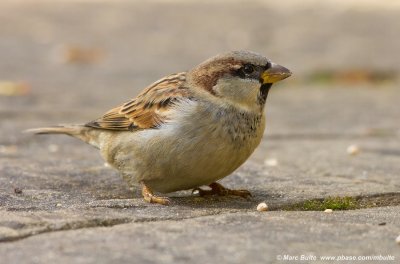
{"x": 218, "y": 189}
{"x": 148, "y": 196}
{"x": 202, "y": 192}
{"x": 241, "y": 193}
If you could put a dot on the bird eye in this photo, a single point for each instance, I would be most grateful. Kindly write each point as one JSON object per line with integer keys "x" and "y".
{"x": 248, "y": 68}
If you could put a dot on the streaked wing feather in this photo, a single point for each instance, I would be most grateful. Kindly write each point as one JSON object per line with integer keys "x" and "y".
{"x": 148, "y": 109}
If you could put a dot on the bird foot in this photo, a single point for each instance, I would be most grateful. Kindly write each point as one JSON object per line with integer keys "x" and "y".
{"x": 148, "y": 196}
{"x": 218, "y": 189}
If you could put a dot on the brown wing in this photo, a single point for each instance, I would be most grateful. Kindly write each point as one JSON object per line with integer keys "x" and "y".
{"x": 148, "y": 109}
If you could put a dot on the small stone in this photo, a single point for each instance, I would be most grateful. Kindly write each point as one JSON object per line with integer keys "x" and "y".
{"x": 398, "y": 240}
{"x": 353, "y": 150}
{"x": 53, "y": 148}
{"x": 262, "y": 207}
{"x": 328, "y": 211}
{"x": 58, "y": 205}
{"x": 9, "y": 88}
{"x": 271, "y": 162}
{"x": 107, "y": 165}
{"x": 17, "y": 190}
{"x": 10, "y": 149}
{"x": 82, "y": 55}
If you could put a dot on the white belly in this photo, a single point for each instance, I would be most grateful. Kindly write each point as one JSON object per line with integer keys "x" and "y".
{"x": 196, "y": 150}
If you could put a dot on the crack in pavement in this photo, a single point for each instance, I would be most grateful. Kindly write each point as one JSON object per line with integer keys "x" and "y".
{"x": 93, "y": 223}
{"x": 68, "y": 226}
{"x": 362, "y": 202}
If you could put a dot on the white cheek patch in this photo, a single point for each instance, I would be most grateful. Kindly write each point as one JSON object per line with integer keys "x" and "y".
{"x": 238, "y": 90}
{"x": 252, "y": 81}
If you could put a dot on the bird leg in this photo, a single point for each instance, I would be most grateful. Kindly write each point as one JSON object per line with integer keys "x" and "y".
{"x": 148, "y": 196}
{"x": 218, "y": 189}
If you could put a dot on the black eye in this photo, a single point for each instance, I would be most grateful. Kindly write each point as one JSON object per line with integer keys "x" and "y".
{"x": 248, "y": 68}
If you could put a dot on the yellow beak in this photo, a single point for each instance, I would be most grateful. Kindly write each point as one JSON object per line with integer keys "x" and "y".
{"x": 275, "y": 73}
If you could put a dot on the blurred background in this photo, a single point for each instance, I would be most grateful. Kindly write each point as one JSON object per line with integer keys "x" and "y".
{"x": 333, "y": 129}
{"x": 70, "y": 61}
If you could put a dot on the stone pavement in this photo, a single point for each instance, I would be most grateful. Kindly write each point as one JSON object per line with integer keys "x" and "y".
{"x": 59, "y": 203}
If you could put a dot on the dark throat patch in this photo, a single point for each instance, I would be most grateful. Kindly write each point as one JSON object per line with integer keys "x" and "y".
{"x": 262, "y": 96}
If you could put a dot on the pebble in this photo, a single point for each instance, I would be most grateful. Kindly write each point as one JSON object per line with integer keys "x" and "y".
{"x": 10, "y": 149}
{"x": 262, "y": 207}
{"x": 53, "y": 148}
{"x": 353, "y": 150}
{"x": 398, "y": 240}
{"x": 8, "y": 88}
{"x": 271, "y": 162}
{"x": 328, "y": 211}
{"x": 82, "y": 55}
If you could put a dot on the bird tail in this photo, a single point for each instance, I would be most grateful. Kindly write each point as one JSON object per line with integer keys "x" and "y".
{"x": 68, "y": 130}
{"x": 77, "y": 131}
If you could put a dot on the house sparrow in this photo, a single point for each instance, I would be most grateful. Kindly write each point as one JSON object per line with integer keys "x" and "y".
{"x": 187, "y": 129}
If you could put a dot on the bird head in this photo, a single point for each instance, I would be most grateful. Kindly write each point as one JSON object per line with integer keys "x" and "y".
{"x": 241, "y": 78}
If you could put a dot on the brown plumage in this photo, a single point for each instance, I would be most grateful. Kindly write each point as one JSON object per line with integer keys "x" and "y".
{"x": 148, "y": 109}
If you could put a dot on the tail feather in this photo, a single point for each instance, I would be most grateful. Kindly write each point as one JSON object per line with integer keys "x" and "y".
{"x": 68, "y": 130}
{"x": 78, "y": 131}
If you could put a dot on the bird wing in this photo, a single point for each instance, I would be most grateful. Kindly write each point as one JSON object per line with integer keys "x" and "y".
{"x": 148, "y": 109}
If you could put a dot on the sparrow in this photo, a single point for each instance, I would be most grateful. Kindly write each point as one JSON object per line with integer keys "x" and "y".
{"x": 187, "y": 129}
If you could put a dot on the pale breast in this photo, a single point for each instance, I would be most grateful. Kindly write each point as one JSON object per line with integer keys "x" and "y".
{"x": 200, "y": 146}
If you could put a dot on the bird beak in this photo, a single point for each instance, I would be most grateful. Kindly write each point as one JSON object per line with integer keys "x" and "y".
{"x": 275, "y": 73}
